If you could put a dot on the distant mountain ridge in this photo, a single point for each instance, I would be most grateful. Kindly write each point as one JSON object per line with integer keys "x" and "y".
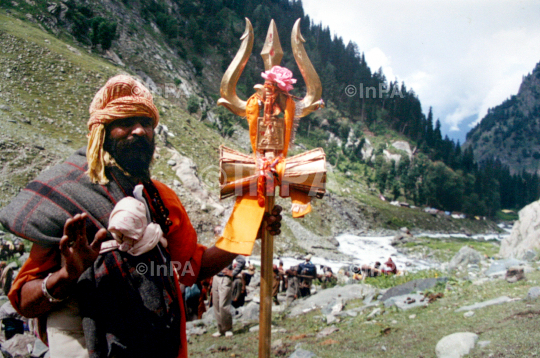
{"x": 510, "y": 132}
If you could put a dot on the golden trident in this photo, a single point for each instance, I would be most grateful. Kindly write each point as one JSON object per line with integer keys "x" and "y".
{"x": 272, "y": 114}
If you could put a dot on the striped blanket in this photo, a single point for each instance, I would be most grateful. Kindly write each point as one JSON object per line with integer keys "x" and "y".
{"x": 39, "y": 211}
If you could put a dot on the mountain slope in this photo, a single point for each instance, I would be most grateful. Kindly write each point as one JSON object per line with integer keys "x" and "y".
{"x": 510, "y": 132}
{"x": 47, "y": 83}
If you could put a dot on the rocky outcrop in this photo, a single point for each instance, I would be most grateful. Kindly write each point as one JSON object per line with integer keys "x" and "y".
{"x": 404, "y": 146}
{"x": 525, "y": 235}
{"x": 367, "y": 150}
{"x": 390, "y": 156}
{"x": 186, "y": 171}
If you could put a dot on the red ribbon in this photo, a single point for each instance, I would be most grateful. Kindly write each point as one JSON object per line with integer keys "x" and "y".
{"x": 265, "y": 182}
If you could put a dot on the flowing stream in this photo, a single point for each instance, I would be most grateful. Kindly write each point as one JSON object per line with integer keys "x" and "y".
{"x": 370, "y": 249}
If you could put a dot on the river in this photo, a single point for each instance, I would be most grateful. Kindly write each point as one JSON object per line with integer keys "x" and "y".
{"x": 369, "y": 249}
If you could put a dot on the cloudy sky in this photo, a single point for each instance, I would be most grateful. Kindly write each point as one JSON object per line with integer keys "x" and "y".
{"x": 460, "y": 57}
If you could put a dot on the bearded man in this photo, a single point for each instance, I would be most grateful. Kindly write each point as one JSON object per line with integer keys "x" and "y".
{"x": 110, "y": 300}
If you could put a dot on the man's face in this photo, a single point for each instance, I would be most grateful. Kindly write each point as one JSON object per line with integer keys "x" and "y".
{"x": 130, "y": 141}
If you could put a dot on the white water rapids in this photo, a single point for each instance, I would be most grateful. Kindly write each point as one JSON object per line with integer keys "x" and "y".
{"x": 369, "y": 249}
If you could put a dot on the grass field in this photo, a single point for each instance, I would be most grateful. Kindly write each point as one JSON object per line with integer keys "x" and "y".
{"x": 512, "y": 328}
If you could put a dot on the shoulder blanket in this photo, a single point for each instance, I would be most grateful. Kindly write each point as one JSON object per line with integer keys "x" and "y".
{"x": 39, "y": 211}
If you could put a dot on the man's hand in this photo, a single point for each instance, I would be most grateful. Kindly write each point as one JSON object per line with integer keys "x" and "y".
{"x": 273, "y": 220}
{"x": 227, "y": 272}
{"x": 77, "y": 255}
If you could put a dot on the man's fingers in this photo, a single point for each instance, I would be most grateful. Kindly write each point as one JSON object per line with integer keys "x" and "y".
{"x": 270, "y": 220}
{"x": 276, "y": 210}
{"x": 68, "y": 228}
{"x": 79, "y": 224}
{"x": 99, "y": 238}
{"x": 64, "y": 245}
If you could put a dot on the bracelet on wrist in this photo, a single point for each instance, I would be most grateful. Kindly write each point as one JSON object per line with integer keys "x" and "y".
{"x": 46, "y": 292}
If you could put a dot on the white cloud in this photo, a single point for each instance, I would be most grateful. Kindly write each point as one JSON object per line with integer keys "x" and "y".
{"x": 460, "y": 57}
{"x": 377, "y": 59}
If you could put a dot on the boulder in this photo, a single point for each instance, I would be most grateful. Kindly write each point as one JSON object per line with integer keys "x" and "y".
{"x": 465, "y": 256}
{"x": 525, "y": 235}
{"x": 251, "y": 312}
{"x": 456, "y": 345}
{"x": 534, "y": 293}
{"x": 412, "y": 286}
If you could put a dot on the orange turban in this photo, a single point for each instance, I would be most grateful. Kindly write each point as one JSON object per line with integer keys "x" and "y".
{"x": 121, "y": 97}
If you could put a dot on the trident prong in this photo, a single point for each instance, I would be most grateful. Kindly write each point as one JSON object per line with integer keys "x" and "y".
{"x": 229, "y": 98}
{"x": 312, "y": 101}
{"x": 272, "y": 53}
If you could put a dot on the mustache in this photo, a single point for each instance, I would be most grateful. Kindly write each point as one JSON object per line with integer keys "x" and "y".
{"x": 135, "y": 143}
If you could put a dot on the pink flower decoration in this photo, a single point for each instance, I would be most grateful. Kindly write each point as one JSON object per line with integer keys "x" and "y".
{"x": 280, "y": 75}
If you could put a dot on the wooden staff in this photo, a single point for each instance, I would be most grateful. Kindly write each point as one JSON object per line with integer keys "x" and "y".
{"x": 267, "y": 277}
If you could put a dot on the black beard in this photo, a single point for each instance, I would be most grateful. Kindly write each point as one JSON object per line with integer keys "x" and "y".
{"x": 133, "y": 155}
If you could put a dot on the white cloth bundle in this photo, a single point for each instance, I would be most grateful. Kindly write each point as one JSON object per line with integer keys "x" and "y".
{"x": 129, "y": 226}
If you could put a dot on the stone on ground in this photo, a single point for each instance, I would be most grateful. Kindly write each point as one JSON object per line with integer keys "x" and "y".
{"x": 483, "y": 344}
{"x": 495, "y": 301}
{"x": 302, "y": 353}
{"x": 534, "y": 293}
{"x": 412, "y": 286}
{"x": 324, "y": 297}
{"x": 405, "y": 302}
{"x": 251, "y": 312}
{"x": 465, "y": 256}
{"x": 327, "y": 331}
{"x": 456, "y": 345}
